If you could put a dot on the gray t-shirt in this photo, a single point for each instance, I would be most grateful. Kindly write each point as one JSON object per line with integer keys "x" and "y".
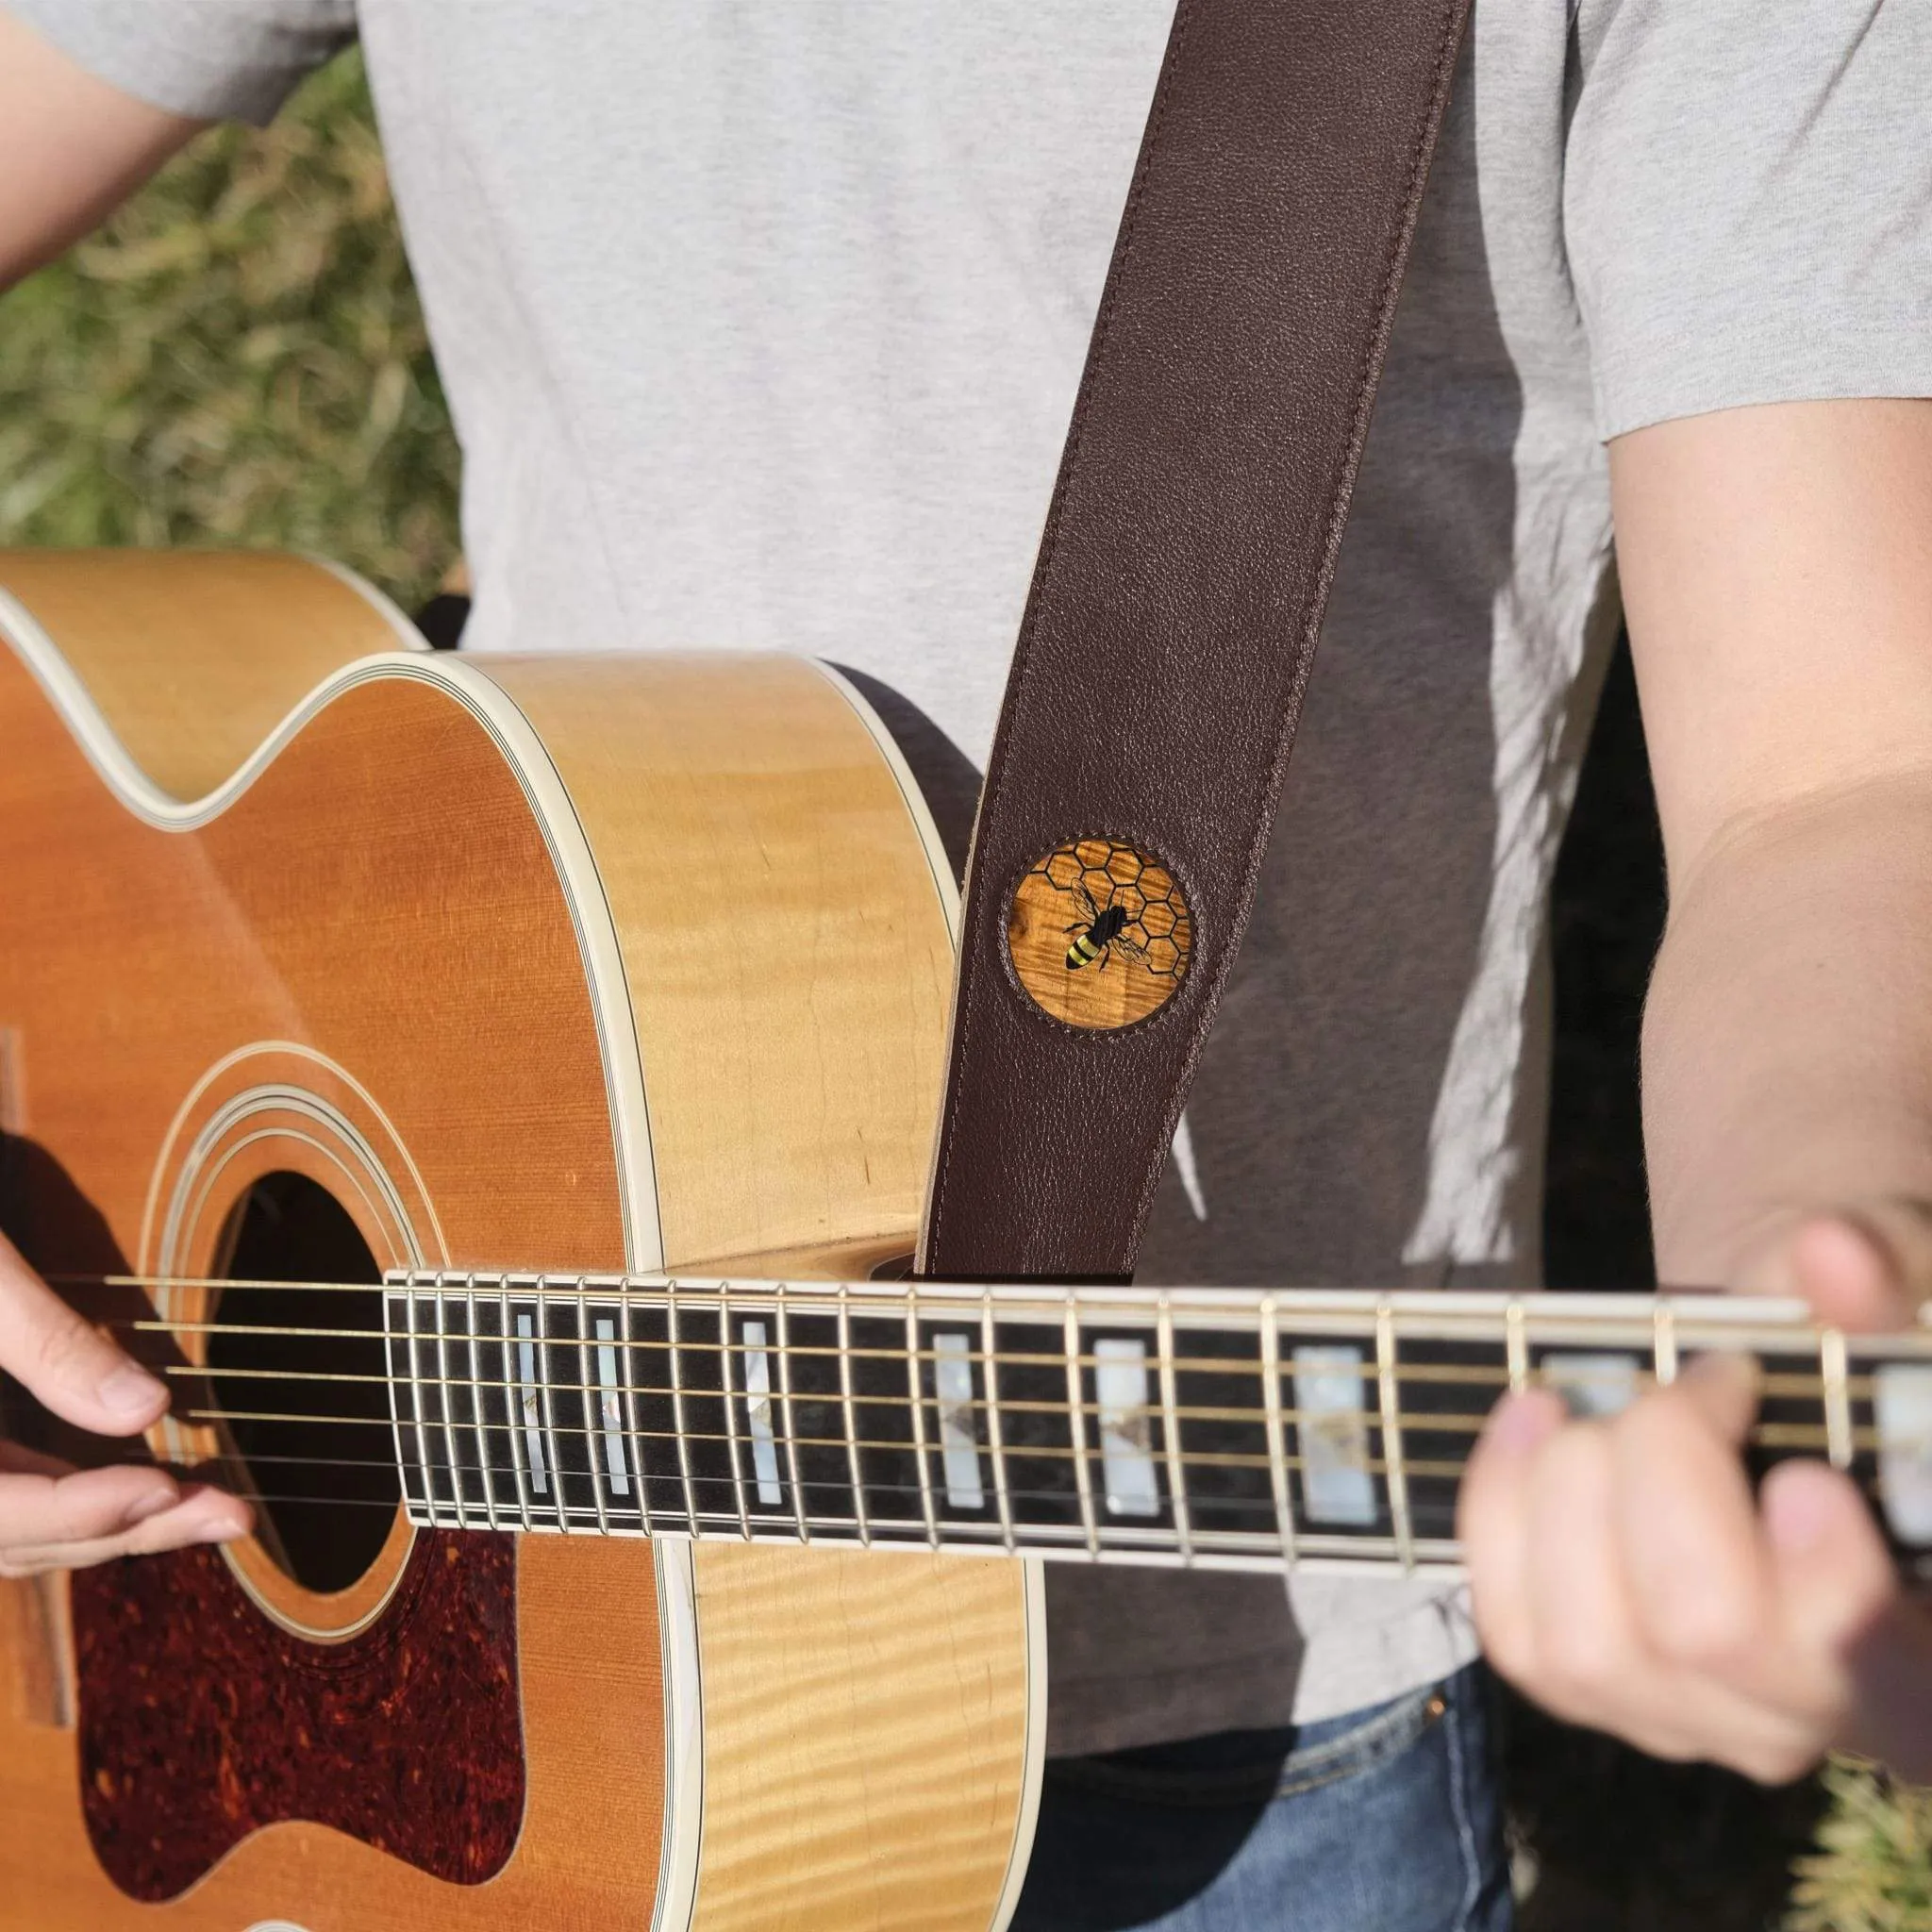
{"x": 761, "y": 324}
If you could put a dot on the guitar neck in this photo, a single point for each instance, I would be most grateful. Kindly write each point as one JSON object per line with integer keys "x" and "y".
{"x": 1216, "y": 1429}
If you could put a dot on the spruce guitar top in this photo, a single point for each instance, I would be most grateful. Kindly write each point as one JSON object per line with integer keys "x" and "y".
{"x": 632, "y": 1589}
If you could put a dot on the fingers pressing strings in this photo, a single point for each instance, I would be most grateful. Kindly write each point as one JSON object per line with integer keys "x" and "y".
{"x": 1626, "y": 1573}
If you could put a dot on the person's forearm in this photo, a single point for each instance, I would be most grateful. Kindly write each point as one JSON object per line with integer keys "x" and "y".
{"x": 1776, "y": 566}
{"x": 71, "y": 147}
{"x": 1787, "y": 1038}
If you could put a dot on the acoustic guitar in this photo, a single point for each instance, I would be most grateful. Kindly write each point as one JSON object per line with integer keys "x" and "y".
{"x": 498, "y": 1093}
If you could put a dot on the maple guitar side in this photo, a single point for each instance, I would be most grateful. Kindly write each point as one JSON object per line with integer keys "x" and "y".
{"x": 611, "y": 962}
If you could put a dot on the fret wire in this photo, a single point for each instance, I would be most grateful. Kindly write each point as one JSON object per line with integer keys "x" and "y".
{"x": 640, "y": 1470}
{"x": 177, "y": 1442}
{"x": 1171, "y": 1430}
{"x": 1516, "y": 1342}
{"x": 932, "y": 1532}
{"x": 1664, "y": 1344}
{"x": 995, "y": 1438}
{"x": 513, "y": 1410}
{"x": 476, "y": 1403}
{"x": 1396, "y": 1477}
{"x": 849, "y": 1411}
{"x": 675, "y": 1345}
{"x": 785, "y": 1410}
{"x": 1277, "y": 1445}
{"x": 593, "y": 1410}
{"x": 1837, "y": 1407}
{"x": 1076, "y": 1427}
{"x": 541, "y": 1356}
{"x": 449, "y": 1432}
{"x": 731, "y": 1418}
{"x": 416, "y": 1402}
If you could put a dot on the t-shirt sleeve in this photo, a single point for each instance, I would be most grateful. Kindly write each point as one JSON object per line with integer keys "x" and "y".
{"x": 1748, "y": 202}
{"x": 213, "y": 59}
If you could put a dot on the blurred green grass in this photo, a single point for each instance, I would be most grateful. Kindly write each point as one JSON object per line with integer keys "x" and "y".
{"x": 239, "y": 358}
{"x": 1873, "y": 1869}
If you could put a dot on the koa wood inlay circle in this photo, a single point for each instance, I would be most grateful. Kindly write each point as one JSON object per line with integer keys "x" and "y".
{"x": 1099, "y": 934}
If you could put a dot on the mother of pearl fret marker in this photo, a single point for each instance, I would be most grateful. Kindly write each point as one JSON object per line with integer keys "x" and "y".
{"x": 1086, "y": 1425}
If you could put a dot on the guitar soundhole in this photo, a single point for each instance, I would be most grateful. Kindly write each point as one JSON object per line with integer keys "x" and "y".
{"x": 297, "y": 1375}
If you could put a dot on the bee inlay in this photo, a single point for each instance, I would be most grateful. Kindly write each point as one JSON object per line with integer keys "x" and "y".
{"x": 1099, "y": 934}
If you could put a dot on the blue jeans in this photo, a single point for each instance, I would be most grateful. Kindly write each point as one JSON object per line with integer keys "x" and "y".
{"x": 1386, "y": 1820}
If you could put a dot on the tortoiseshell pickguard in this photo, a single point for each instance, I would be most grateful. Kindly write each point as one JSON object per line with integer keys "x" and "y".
{"x": 202, "y": 1721}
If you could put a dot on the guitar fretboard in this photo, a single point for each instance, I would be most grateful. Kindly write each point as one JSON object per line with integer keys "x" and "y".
{"x": 1231, "y": 1430}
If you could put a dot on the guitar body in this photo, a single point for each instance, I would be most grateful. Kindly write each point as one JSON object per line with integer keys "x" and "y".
{"x": 625, "y": 962}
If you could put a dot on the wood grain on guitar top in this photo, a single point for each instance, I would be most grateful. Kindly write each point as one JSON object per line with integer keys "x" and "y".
{"x": 903, "y": 1688}
{"x": 387, "y": 896}
{"x": 782, "y": 934}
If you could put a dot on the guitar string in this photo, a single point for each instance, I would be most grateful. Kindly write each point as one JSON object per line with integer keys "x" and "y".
{"x": 607, "y": 1286}
{"x": 1776, "y": 1384}
{"x": 887, "y": 1305}
{"x": 1447, "y": 1420}
{"x": 1058, "y": 1499}
{"x": 670, "y": 1518}
{"x": 1770, "y": 1434}
{"x": 1415, "y": 1424}
{"x": 1766, "y": 1435}
{"x": 588, "y": 1474}
{"x": 1774, "y": 1435}
{"x": 1193, "y": 1458}
{"x": 1043, "y": 1453}
{"x": 890, "y": 1301}
{"x": 388, "y": 1463}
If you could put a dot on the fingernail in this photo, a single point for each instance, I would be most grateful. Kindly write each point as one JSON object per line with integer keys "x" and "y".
{"x": 149, "y": 1503}
{"x": 222, "y": 1533}
{"x": 1520, "y": 1422}
{"x": 129, "y": 1391}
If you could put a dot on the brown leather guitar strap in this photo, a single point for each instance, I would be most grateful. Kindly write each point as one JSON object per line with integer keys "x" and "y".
{"x": 1186, "y": 561}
